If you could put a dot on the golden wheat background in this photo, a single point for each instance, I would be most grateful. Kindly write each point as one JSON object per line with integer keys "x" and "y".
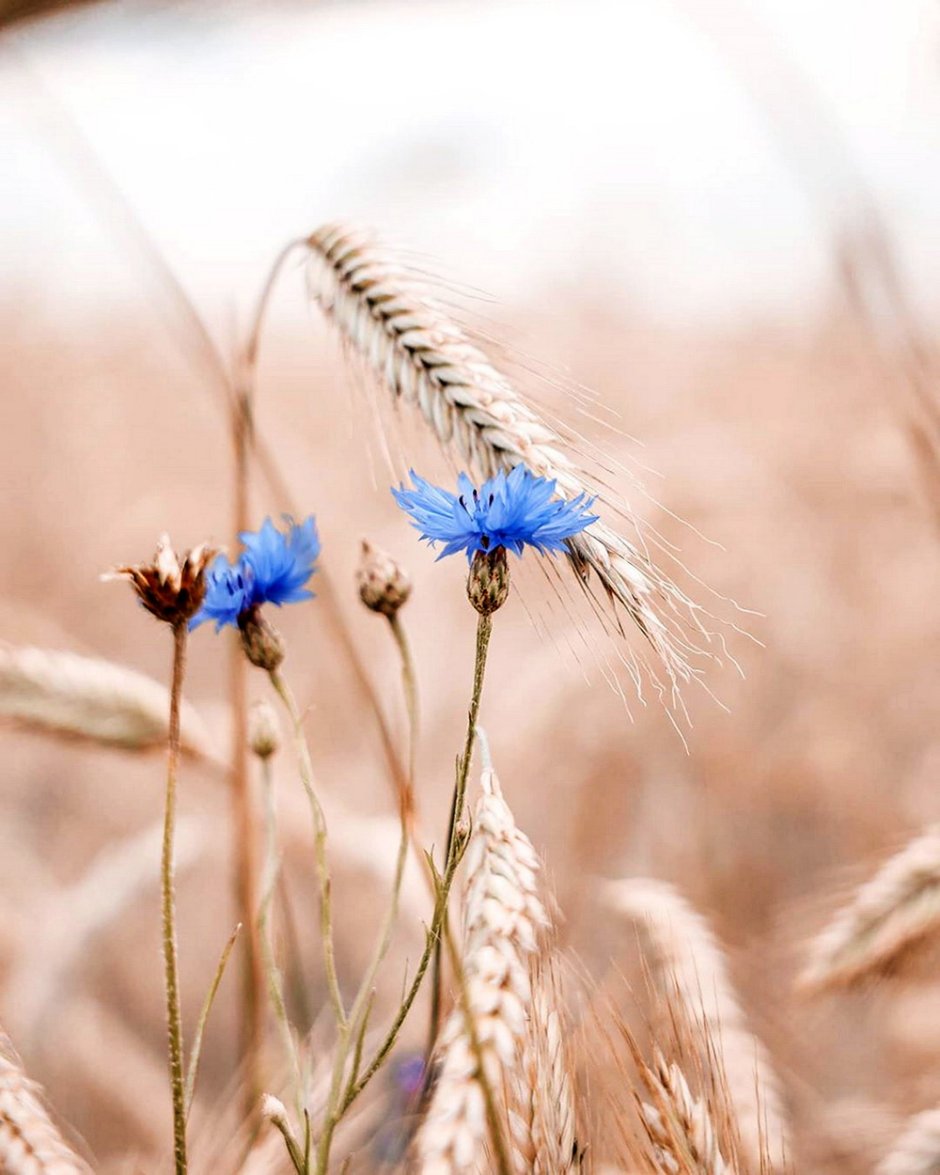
{"x": 794, "y": 473}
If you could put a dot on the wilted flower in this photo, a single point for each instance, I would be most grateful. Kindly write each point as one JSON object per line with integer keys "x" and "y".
{"x": 511, "y": 511}
{"x": 169, "y": 588}
{"x": 272, "y": 569}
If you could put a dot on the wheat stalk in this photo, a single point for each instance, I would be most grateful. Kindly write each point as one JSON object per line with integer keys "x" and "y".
{"x": 917, "y": 1151}
{"x": 30, "y": 1144}
{"x": 503, "y": 917}
{"x": 690, "y": 963}
{"x": 888, "y": 915}
{"x": 390, "y": 319}
{"x": 72, "y": 696}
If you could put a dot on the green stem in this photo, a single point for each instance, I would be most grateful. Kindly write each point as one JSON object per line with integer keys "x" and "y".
{"x": 484, "y": 630}
{"x": 363, "y": 1001}
{"x": 283, "y": 690}
{"x": 445, "y": 881}
{"x": 497, "y": 1141}
{"x": 168, "y": 899}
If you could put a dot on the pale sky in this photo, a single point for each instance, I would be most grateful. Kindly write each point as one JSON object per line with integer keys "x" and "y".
{"x": 524, "y": 146}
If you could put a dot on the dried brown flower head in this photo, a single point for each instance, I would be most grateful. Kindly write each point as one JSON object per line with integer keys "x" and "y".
{"x": 170, "y": 588}
{"x": 383, "y": 583}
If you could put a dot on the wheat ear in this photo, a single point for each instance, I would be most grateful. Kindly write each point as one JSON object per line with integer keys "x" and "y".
{"x": 889, "y": 914}
{"x": 72, "y": 696}
{"x": 917, "y": 1151}
{"x": 503, "y": 917}
{"x": 690, "y": 963}
{"x": 678, "y": 1125}
{"x": 390, "y": 319}
{"x": 540, "y": 1092}
{"x": 30, "y": 1144}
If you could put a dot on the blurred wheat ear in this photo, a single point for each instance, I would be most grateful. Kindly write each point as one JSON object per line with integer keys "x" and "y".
{"x": 917, "y": 1151}
{"x": 71, "y": 696}
{"x": 886, "y": 918}
{"x": 690, "y": 966}
{"x": 30, "y": 1143}
{"x": 393, "y": 324}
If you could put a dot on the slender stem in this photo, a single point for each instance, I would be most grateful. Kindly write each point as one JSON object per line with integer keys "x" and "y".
{"x": 170, "y": 959}
{"x": 497, "y": 1141}
{"x": 272, "y": 866}
{"x": 283, "y": 690}
{"x": 355, "y": 1032}
{"x": 484, "y": 630}
{"x": 244, "y": 817}
{"x": 445, "y": 880}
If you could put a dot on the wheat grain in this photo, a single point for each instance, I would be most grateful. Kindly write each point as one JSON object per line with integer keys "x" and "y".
{"x": 888, "y": 915}
{"x": 503, "y": 918}
{"x": 917, "y": 1151}
{"x": 690, "y": 963}
{"x": 392, "y": 322}
{"x": 30, "y": 1144}
{"x": 72, "y": 696}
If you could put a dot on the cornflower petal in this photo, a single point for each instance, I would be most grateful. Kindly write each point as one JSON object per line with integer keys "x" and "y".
{"x": 511, "y": 511}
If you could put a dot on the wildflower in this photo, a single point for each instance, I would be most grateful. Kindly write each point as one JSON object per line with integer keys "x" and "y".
{"x": 170, "y": 588}
{"x": 272, "y": 569}
{"x": 510, "y": 511}
{"x": 383, "y": 584}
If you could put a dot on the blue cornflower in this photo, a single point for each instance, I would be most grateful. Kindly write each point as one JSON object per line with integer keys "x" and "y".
{"x": 272, "y": 569}
{"x": 510, "y": 511}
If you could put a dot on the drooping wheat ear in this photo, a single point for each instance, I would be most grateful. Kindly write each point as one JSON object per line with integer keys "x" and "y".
{"x": 678, "y": 1125}
{"x": 72, "y": 696}
{"x": 30, "y": 1144}
{"x": 917, "y": 1151}
{"x": 503, "y": 918}
{"x": 689, "y": 963}
{"x": 391, "y": 320}
{"x": 888, "y": 915}
{"x": 541, "y": 1099}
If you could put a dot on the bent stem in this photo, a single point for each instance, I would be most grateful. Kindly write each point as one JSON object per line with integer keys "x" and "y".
{"x": 443, "y": 881}
{"x": 168, "y": 902}
{"x": 484, "y": 630}
{"x": 284, "y": 692}
{"x": 354, "y": 1035}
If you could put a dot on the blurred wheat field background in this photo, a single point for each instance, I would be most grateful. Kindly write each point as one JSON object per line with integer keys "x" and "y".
{"x": 789, "y": 456}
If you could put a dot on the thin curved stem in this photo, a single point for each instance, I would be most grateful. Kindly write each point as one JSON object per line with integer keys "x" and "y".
{"x": 484, "y": 630}
{"x": 284, "y": 692}
{"x": 444, "y": 880}
{"x": 272, "y": 868}
{"x": 361, "y": 1007}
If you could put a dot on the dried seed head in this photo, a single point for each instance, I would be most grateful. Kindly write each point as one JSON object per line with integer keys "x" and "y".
{"x": 264, "y": 732}
{"x": 488, "y": 582}
{"x": 263, "y": 644}
{"x": 273, "y": 1110}
{"x": 383, "y": 584}
{"x": 170, "y": 588}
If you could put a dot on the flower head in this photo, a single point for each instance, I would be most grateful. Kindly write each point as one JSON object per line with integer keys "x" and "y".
{"x": 272, "y": 569}
{"x": 512, "y": 511}
{"x": 169, "y": 587}
{"x": 384, "y": 585}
